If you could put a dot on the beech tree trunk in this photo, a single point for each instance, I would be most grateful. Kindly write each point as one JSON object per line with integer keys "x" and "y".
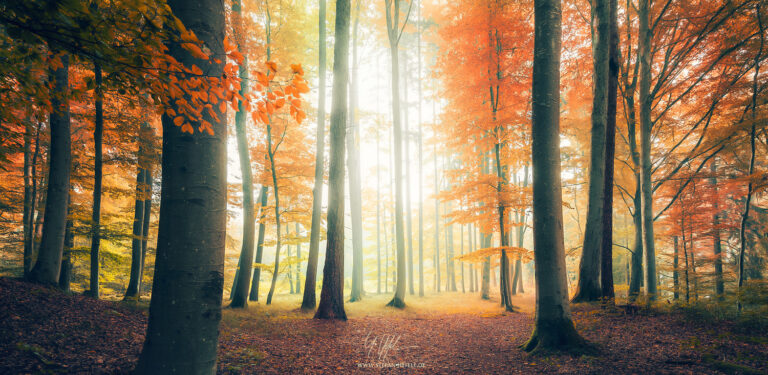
{"x": 132, "y": 291}
{"x": 46, "y": 269}
{"x": 309, "y": 300}
{"x": 245, "y": 264}
{"x": 353, "y": 164}
{"x": 189, "y": 266}
{"x": 393, "y": 31}
{"x": 254, "y": 294}
{"x": 553, "y": 328}
{"x": 332, "y": 294}
{"x": 646, "y": 124}
{"x": 588, "y": 287}
{"x": 716, "y": 240}
{"x": 97, "y": 178}
{"x": 606, "y": 258}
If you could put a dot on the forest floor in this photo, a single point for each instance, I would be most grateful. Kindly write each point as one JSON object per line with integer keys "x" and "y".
{"x": 45, "y": 331}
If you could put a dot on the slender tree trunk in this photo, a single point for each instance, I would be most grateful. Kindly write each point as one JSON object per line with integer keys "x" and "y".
{"x": 254, "y": 294}
{"x": 65, "y": 276}
{"x": 353, "y": 164}
{"x": 676, "y": 269}
{"x": 332, "y": 294}
{"x": 606, "y": 258}
{"x": 553, "y": 328}
{"x": 30, "y": 247}
{"x": 685, "y": 254}
{"x": 132, "y": 291}
{"x": 716, "y": 241}
{"x": 298, "y": 262}
{"x": 147, "y": 216}
{"x": 245, "y": 263}
{"x": 750, "y": 185}
{"x": 309, "y": 300}
{"x": 29, "y": 199}
{"x": 48, "y": 265}
{"x": 421, "y": 172}
{"x": 393, "y": 29}
{"x": 646, "y": 103}
{"x": 504, "y": 278}
{"x": 378, "y": 216}
{"x": 276, "y": 196}
{"x": 437, "y": 225}
{"x": 97, "y": 178}
{"x": 588, "y": 287}
{"x": 189, "y": 267}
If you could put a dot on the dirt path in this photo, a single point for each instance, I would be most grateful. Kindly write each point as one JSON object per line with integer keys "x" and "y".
{"x": 42, "y": 330}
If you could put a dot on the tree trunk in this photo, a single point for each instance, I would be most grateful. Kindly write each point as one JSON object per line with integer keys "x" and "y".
{"x": 298, "y": 261}
{"x": 254, "y": 294}
{"x": 606, "y": 258}
{"x": 716, "y": 241}
{"x": 588, "y": 287}
{"x": 97, "y": 178}
{"x": 421, "y": 172}
{"x": 189, "y": 267}
{"x": 48, "y": 265}
{"x": 132, "y": 291}
{"x": 29, "y": 199}
{"x": 406, "y": 144}
{"x": 378, "y": 217}
{"x": 147, "y": 216}
{"x": 553, "y": 328}
{"x": 309, "y": 300}
{"x": 676, "y": 269}
{"x": 646, "y": 103}
{"x": 276, "y": 195}
{"x": 750, "y": 185}
{"x": 437, "y": 225}
{"x": 393, "y": 29}
{"x": 245, "y": 263}
{"x": 332, "y": 294}
{"x": 65, "y": 276}
{"x": 353, "y": 164}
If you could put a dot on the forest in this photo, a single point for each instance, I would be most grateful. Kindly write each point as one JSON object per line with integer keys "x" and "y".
{"x": 390, "y": 186}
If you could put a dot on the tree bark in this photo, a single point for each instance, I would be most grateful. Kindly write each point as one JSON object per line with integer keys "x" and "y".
{"x": 588, "y": 287}
{"x": 332, "y": 294}
{"x": 254, "y": 294}
{"x": 393, "y": 31}
{"x": 132, "y": 291}
{"x": 29, "y": 199}
{"x": 716, "y": 240}
{"x": 553, "y": 328}
{"x": 606, "y": 258}
{"x": 97, "y": 179}
{"x": 676, "y": 269}
{"x": 189, "y": 268}
{"x": 353, "y": 164}
{"x": 245, "y": 264}
{"x": 646, "y": 124}
{"x": 309, "y": 300}
{"x": 48, "y": 265}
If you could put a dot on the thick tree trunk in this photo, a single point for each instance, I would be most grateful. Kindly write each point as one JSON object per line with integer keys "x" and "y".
{"x": 97, "y": 178}
{"x": 646, "y": 188}
{"x": 353, "y": 164}
{"x": 588, "y": 287}
{"x": 393, "y": 28}
{"x": 254, "y": 294}
{"x": 189, "y": 267}
{"x": 309, "y": 300}
{"x": 48, "y": 265}
{"x": 606, "y": 256}
{"x": 245, "y": 263}
{"x": 332, "y": 294}
{"x": 553, "y": 328}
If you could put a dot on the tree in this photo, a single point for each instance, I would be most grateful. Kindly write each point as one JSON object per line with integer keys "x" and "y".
{"x": 308, "y": 302}
{"x": 553, "y": 328}
{"x": 353, "y": 165}
{"x": 240, "y": 292}
{"x": 48, "y": 265}
{"x": 394, "y": 31}
{"x": 188, "y": 282}
{"x": 332, "y": 294}
{"x": 588, "y": 287}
